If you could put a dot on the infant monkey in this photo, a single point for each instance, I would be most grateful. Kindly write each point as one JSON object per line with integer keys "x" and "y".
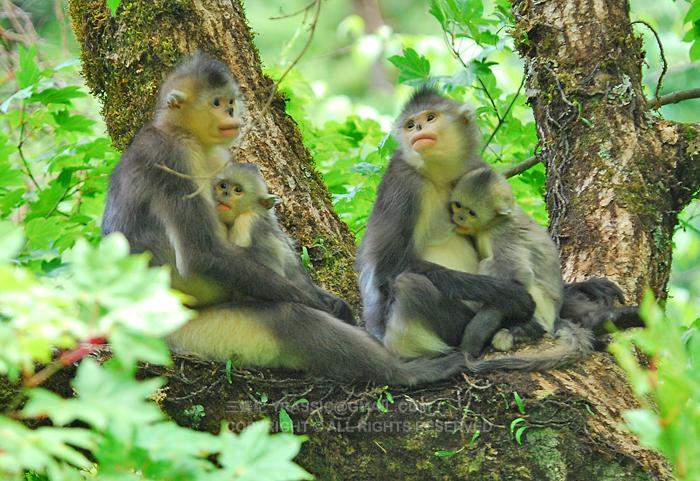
{"x": 510, "y": 245}
{"x": 246, "y": 208}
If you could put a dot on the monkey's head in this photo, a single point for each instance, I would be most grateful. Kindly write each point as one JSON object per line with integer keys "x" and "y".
{"x": 435, "y": 132}
{"x": 240, "y": 189}
{"x": 201, "y": 97}
{"x": 480, "y": 199}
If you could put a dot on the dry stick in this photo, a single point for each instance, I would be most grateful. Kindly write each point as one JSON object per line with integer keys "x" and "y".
{"x": 664, "y": 68}
{"x": 667, "y": 99}
{"x": 676, "y": 97}
{"x": 520, "y": 168}
{"x": 297, "y": 12}
{"x": 266, "y": 106}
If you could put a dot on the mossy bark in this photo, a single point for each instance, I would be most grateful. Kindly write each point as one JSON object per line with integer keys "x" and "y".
{"x": 617, "y": 174}
{"x": 126, "y": 57}
{"x": 572, "y": 417}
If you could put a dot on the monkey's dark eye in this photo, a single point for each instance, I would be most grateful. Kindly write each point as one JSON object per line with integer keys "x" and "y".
{"x": 223, "y": 185}
{"x": 230, "y": 102}
{"x": 238, "y": 189}
{"x": 217, "y": 102}
{"x": 456, "y": 205}
{"x": 430, "y": 117}
{"x": 472, "y": 213}
{"x": 410, "y": 124}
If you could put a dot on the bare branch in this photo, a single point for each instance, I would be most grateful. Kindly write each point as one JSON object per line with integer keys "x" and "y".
{"x": 522, "y": 167}
{"x": 675, "y": 97}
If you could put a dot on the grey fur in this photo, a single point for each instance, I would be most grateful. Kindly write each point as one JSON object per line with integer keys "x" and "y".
{"x": 154, "y": 210}
{"x": 403, "y": 291}
{"x": 430, "y": 298}
{"x": 270, "y": 245}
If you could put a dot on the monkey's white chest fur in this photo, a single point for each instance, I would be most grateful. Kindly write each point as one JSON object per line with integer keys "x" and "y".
{"x": 435, "y": 239}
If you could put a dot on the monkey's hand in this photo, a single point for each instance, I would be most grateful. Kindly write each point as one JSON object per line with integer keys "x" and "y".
{"x": 338, "y": 307}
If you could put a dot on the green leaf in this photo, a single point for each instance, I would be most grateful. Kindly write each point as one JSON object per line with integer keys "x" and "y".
{"x": 285, "y": 421}
{"x": 519, "y": 402}
{"x": 411, "y": 66}
{"x": 693, "y": 12}
{"x": 168, "y": 441}
{"x": 646, "y": 425}
{"x": 28, "y": 72}
{"x": 61, "y": 96}
{"x": 73, "y": 123}
{"x": 519, "y": 433}
{"x": 113, "y": 5}
{"x": 106, "y": 398}
{"x": 229, "y": 371}
{"x": 444, "y": 453}
{"x": 254, "y": 455}
{"x": 515, "y": 422}
{"x": 42, "y": 233}
{"x": 695, "y": 51}
{"x": 437, "y": 12}
{"x": 11, "y": 241}
{"x": 131, "y": 347}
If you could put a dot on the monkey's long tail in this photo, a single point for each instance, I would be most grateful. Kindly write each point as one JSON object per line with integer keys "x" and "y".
{"x": 572, "y": 343}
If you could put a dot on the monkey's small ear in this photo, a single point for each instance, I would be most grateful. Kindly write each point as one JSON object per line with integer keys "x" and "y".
{"x": 466, "y": 112}
{"x": 269, "y": 201}
{"x": 175, "y": 99}
{"x": 503, "y": 204}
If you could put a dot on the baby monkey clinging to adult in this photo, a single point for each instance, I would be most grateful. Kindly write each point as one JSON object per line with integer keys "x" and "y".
{"x": 245, "y": 206}
{"x": 511, "y": 245}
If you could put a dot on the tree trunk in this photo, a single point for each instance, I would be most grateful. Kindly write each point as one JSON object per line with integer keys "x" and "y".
{"x": 617, "y": 174}
{"x": 126, "y": 57}
{"x": 601, "y": 211}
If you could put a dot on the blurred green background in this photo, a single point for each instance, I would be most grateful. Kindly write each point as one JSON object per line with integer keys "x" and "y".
{"x": 345, "y": 91}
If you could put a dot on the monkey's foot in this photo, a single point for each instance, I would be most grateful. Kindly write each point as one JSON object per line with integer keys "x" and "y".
{"x": 502, "y": 340}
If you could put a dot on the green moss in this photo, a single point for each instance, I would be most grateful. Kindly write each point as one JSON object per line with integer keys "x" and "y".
{"x": 543, "y": 445}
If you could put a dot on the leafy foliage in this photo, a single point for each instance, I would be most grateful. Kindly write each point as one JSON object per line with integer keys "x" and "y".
{"x": 103, "y": 292}
{"x": 693, "y": 34}
{"x": 668, "y": 387}
{"x": 65, "y": 289}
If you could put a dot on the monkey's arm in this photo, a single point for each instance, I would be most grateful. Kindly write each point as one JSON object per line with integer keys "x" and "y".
{"x": 191, "y": 228}
{"x": 387, "y": 247}
{"x": 508, "y": 296}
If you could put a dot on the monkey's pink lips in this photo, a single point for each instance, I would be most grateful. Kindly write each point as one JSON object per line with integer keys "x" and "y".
{"x": 422, "y": 141}
{"x": 221, "y": 207}
{"x": 463, "y": 230}
{"x": 228, "y": 130}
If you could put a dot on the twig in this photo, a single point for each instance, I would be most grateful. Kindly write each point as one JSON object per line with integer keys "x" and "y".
{"x": 297, "y": 12}
{"x": 451, "y": 44}
{"x": 522, "y": 167}
{"x": 501, "y": 121}
{"x": 20, "y": 144}
{"x": 675, "y": 97}
{"x": 664, "y": 67}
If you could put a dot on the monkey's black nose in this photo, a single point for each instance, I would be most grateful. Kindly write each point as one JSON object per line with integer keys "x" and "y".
{"x": 229, "y": 112}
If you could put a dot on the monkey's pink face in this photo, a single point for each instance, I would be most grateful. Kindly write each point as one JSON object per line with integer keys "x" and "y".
{"x": 422, "y": 130}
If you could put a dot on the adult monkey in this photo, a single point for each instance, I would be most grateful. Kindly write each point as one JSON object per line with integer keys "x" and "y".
{"x": 415, "y": 271}
{"x": 160, "y": 198}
